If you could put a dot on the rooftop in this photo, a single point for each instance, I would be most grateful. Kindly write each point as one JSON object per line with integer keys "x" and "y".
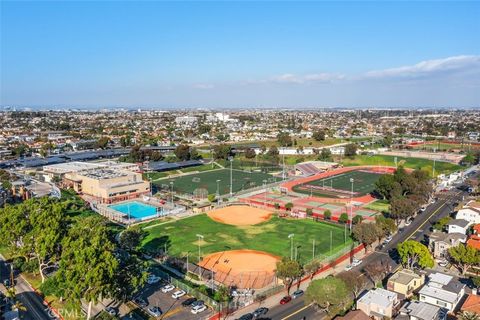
{"x": 421, "y": 310}
{"x": 379, "y": 296}
{"x": 99, "y": 174}
{"x": 472, "y": 304}
{"x": 459, "y": 222}
{"x": 404, "y": 276}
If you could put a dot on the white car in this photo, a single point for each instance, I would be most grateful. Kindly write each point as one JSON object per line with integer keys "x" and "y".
{"x": 152, "y": 279}
{"x": 387, "y": 239}
{"x": 408, "y": 222}
{"x": 168, "y": 288}
{"x": 443, "y": 263}
{"x": 199, "y": 308}
{"x": 155, "y": 311}
{"x": 349, "y": 267}
{"x": 178, "y": 294}
{"x": 356, "y": 262}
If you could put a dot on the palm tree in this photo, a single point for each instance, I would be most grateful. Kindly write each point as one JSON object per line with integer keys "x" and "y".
{"x": 465, "y": 315}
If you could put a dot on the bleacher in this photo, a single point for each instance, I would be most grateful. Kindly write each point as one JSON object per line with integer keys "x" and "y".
{"x": 307, "y": 169}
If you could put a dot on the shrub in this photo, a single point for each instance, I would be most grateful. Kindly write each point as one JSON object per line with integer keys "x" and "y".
{"x": 327, "y": 214}
{"x": 343, "y": 218}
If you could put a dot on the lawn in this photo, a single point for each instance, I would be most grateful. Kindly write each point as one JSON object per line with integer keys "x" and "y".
{"x": 440, "y": 146}
{"x": 271, "y": 236}
{"x": 364, "y": 183}
{"x": 242, "y": 180}
{"x": 378, "y": 205}
{"x": 413, "y": 163}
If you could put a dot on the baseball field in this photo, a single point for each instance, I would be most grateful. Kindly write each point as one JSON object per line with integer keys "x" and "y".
{"x": 270, "y": 236}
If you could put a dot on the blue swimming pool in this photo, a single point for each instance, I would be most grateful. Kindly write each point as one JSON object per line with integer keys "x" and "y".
{"x": 136, "y": 210}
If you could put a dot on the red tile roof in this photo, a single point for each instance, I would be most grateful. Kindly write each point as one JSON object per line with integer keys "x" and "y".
{"x": 472, "y": 304}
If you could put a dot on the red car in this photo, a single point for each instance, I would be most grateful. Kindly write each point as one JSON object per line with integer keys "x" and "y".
{"x": 285, "y": 300}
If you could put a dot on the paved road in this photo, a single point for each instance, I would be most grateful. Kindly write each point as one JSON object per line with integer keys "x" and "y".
{"x": 35, "y": 310}
{"x": 296, "y": 310}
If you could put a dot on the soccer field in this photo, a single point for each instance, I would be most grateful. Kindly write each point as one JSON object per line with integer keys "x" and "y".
{"x": 339, "y": 186}
{"x": 242, "y": 180}
{"x": 270, "y": 236}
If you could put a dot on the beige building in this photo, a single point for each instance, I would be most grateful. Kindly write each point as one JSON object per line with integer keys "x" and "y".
{"x": 405, "y": 282}
{"x": 108, "y": 185}
{"x": 378, "y": 303}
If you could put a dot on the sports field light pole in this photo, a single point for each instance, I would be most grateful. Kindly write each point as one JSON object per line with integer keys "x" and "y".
{"x": 171, "y": 187}
{"x": 188, "y": 253}
{"x": 290, "y": 236}
{"x": 265, "y": 188}
{"x": 200, "y": 237}
{"x": 296, "y": 251}
{"x": 231, "y": 176}
{"x": 351, "y": 203}
{"x": 313, "y": 249}
{"x": 218, "y": 192}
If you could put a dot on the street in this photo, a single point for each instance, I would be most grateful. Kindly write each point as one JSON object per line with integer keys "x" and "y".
{"x": 296, "y": 309}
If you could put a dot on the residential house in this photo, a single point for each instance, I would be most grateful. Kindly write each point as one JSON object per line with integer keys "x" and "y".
{"x": 474, "y": 241}
{"x": 405, "y": 282}
{"x": 378, "y": 303}
{"x": 458, "y": 226}
{"x": 442, "y": 290}
{"x": 470, "y": 212}
{"x": 418, "y": 310}
{"x": 471, "y": 304}
{"x": 440, "y": 242}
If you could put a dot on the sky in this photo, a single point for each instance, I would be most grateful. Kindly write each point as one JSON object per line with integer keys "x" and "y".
{"x": 239, "y": 54}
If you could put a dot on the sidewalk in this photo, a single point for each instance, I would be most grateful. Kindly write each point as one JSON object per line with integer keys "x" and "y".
{"x": 274, "y": 300}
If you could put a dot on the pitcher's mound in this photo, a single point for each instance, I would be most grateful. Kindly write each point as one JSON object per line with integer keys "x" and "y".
{"x": 240, "y": 215}
{"x": 242, "y": 268}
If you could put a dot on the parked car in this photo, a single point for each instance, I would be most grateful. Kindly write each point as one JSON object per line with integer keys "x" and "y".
{"x": 140, "y": 302}
{"x": 197, "y": 303}
{"x": 297, "y": 294}
{"x": 199, "y": 308}
{"x": 356, "y": 262}
{"x": 178, "y": 294}
{"x": 167, "y": 288}
{"x": 7, "y": 283}
{"x": 152, "y": 279}
{"x": 188, "y": 302}
{"x": 408, "y": 222}
{"x": 111, "y": 311}
{"x": 387, "y": 239}
{"x": 349, "y": 267}
{"x": 247, "y": 316}
{"x": 443, "y": 263}
{"x": 155, "y": 311}
{"x": 260, "y": 312}
{"x": 285, "y": 300}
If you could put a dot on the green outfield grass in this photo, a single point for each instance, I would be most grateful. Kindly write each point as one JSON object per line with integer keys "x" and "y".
{"x": 364, "y": 183}
{"x": 242, "y": 180}
{"x": 439, "y": 146}
{"x": 378, "y": 205}
{"x": 271, "y": 236}
{"x": 413, "y": 163}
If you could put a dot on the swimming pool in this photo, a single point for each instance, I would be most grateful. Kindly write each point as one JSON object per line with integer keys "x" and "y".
{"x": 135, "y": 209}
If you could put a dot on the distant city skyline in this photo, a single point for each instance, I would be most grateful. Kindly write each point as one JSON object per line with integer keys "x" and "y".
{"x": 239, "y": 54}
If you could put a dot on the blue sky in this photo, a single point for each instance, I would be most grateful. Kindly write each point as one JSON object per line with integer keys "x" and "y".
{"x": 240, "y": 54}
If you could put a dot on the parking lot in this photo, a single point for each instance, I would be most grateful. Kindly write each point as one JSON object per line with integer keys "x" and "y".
{"x": 171, "y": 308}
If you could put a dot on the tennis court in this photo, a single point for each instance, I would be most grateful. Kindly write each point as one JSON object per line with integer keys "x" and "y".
{"x": 340, "y": 186}
{"x": 207, "y": 181}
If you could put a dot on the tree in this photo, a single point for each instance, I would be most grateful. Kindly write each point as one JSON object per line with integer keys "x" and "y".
{"x": 343, "y": 218}
{"x": 464, "y": 257}
{"x": 102, "y": 143}
{"x": 273, "y": 153}
{"x": 357, "y": 219}
{"x": 466, "y": 315}
{"x": 377, "y": 270}
{"x": 276, "y": 205}
{"x": 284, "y": 139}
{"x": 366, "y": 233}
{"x": 327, "y": 214}
{"x": 385, "y": 226}
{"x": 384, "y": 186}
{"x": 182, "y": 152}
{"x": 211, "y": 197}
{"x": 222, "y": 151}
{"x": 350, "y": 150}
{"x": 441, "y": 223}
{"x": 402, "y": 208}
{"x": 319, "y": 135}
{"x": 288, "y": 271}
{"x": 329, "y": 294}
{"x": 288, "y": 206}
{"x": 87, "y": 265}
{"x": 387, "y": 140}
{"x": 355, "y": 281}
{"x": 130, "y": 239}
{"x": 250, "y": 153}
{"x": 414, "y": 253}
{"x": 325, "y": 155}
{"x": 312, "y": 267}
{"x": 309, "y": 212}
{"x": 222, "y": 294}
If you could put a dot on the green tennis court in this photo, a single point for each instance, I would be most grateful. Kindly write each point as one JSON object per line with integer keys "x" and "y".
{"x": 340, "y": 186}
{"x": 242, "y": 180}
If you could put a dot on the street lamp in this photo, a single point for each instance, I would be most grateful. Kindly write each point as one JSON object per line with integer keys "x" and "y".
{"x": 290, "y": 236}
{"x": 351, "y": 204}
{"x": 296, "y": 251}
{"x": 199, "y": 237}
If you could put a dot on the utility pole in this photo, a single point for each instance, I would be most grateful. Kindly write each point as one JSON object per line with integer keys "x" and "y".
{"x": 313, "y": 249}
{"x": 199, "y": 237}
{"x": 351, "y": 205}
{"x": 290, "y": 236}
